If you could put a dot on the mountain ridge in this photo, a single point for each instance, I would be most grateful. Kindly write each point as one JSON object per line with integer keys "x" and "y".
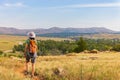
{"x": 13, "y": 31}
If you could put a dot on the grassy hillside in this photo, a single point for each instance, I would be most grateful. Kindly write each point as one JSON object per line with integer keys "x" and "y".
{"x": 102, "y": 66}
{"x": 72, "y": 66}
{"x": 102, "y": 36}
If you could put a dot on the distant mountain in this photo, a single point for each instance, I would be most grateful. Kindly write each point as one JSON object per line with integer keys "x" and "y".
{"x": 55, "y": 30}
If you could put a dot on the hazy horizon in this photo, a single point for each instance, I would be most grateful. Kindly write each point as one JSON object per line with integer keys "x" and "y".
{"x": 29, "y": 14}
{"x": 56, "y": 27}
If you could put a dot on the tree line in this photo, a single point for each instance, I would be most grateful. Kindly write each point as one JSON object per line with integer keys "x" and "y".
{"x": 51, "y": 47}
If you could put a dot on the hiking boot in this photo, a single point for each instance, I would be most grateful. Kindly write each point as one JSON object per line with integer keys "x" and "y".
{"x": 32, "y": 76}
{"x": 26, "y": 72}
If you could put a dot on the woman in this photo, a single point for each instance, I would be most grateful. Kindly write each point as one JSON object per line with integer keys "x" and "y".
{"x": 30, "y": 52}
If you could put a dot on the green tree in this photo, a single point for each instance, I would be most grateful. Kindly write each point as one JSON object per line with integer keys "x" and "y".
{"x": 116, "y": 47}
{"x": 81, "y": 45}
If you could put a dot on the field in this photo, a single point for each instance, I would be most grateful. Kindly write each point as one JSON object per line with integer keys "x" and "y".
{"x": 82, "y": 66}
{"x": 72, "y": 66}
{"x": 7, "y": 41}
{"x": 103, "y": 36}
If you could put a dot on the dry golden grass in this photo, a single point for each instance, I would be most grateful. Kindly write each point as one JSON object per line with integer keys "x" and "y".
{"x": 101, "y": 66}
{"x": 21, "y": 38}
{"x": 82, "y": 66}
{"x": 8, "y": 69}
{"x": 103, "y": 35}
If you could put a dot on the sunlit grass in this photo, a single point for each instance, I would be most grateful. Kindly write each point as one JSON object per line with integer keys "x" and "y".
{"x": 72, "y": 66}
{"x": 101, "y": 66}
{"x": 81, "y": 67}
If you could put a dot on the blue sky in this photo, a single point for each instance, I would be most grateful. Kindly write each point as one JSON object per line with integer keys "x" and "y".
{"x": 60, "y": 13}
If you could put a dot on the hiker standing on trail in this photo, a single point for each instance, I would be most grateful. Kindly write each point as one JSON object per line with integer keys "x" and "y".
{"x": 30, "y": 52}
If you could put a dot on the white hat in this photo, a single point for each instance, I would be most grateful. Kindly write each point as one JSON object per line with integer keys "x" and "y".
{"x": 31, "y": 35}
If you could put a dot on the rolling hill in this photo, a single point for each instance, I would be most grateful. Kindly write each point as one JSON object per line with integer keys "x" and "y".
{"x": 56, "y": 31}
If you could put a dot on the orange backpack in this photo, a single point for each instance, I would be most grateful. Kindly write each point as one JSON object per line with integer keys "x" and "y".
{"x": 32, "y": 46}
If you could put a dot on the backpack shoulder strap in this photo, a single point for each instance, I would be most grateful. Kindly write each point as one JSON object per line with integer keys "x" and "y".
{"x": 36, "y": 42}
{"x": 28, "y": 41}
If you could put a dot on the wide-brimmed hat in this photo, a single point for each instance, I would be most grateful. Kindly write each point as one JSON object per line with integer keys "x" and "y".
{"x": 31, "y": 35}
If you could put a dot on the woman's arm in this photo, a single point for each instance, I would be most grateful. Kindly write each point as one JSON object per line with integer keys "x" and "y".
{"x": 25, "y": 50}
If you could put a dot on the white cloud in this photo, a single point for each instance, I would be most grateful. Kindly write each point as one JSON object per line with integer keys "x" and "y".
{"x": 96, "y": 5}
{"x": 19, "y": 4}
{"x": 91, "y": 5}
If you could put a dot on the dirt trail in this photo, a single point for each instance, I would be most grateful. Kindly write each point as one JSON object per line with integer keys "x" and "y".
{"x": 21, "y": 71}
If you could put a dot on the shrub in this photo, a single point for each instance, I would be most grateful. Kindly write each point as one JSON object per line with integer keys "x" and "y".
{"x": 94, "y": 51}
{"x": 116, "y": 47}
{"x": 13, "y": 50}
{"x": 1, "y": 52}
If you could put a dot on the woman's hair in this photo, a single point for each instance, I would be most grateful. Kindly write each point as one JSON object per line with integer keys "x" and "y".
{"x": 32, "y": 38}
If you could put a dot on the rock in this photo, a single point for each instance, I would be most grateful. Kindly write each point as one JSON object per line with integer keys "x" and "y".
{"x": 59, "y": 71}
{"x": 94, "y": 51}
